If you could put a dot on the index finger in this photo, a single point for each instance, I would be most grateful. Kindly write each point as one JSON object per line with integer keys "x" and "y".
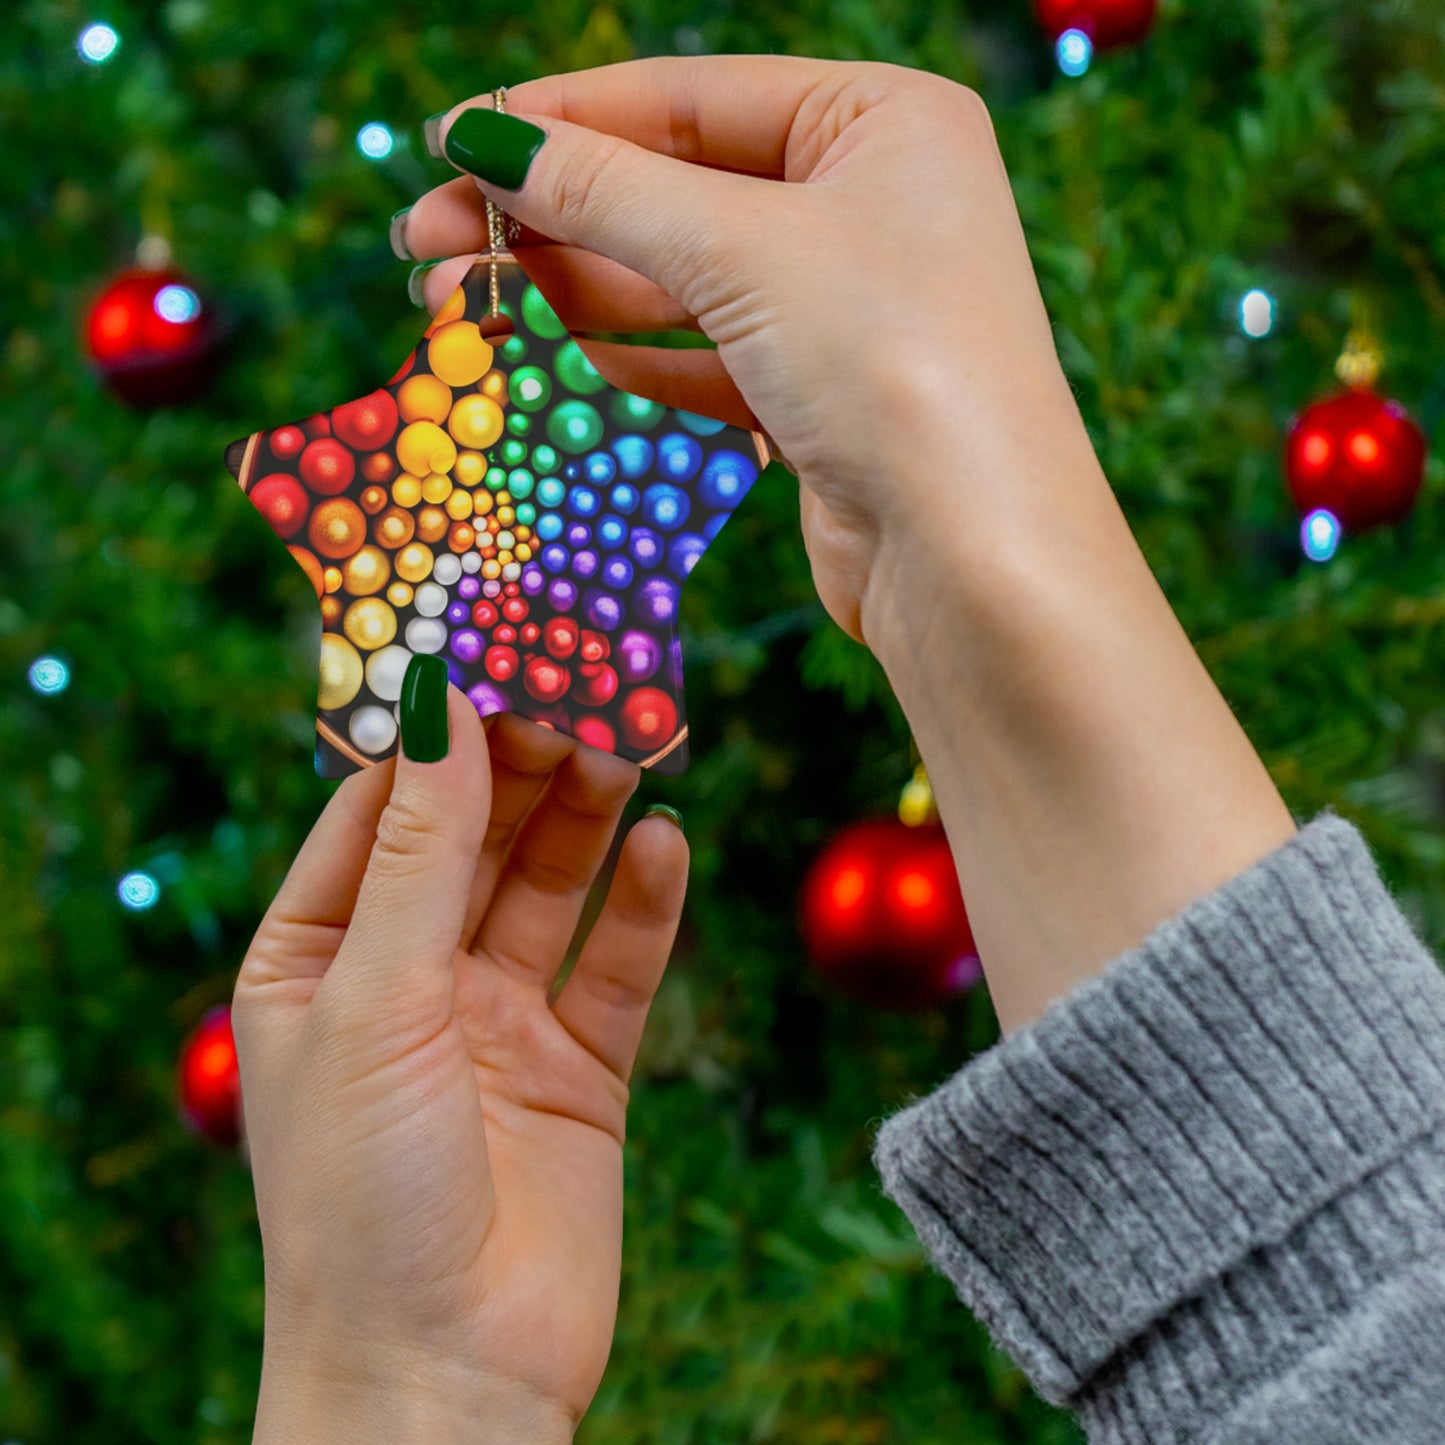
{"x": 735, "y": 112}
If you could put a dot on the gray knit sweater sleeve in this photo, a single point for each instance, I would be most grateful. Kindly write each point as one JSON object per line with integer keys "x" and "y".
{"x": 1202, "y": 1199}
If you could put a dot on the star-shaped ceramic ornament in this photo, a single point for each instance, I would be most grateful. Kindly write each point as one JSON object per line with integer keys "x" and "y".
{"x": 504, "y": 507}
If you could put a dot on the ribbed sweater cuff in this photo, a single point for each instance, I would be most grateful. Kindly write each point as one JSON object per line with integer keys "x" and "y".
{"x": 1168, "y": 1126}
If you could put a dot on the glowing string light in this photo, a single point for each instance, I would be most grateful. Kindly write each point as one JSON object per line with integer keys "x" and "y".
{"x": 138, "y": 891}
{"x": 1256, "y": 313}
{"x": 97, "y": 43}
{"x": 177, "y": 304}
{"x": 1320, "y": 535}
{"x": 49, "y": 675}
{"x": 375, "y": 141}
{"x": 1075, "y": 52}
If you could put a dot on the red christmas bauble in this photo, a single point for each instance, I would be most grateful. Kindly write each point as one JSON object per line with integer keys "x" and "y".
{"x": 210, "y": 1079}
{"x": 545, "y": 679}
{"x": 152, "y": 338}
{"x": 649, "y": 715}
{"x": 1107, "y": 23}
{"x": 327, "y": 467}
{"x": 287, "y": 443}
{"x": 282, "y": 500}
{"x": 883, "y": 917}
{"x": 367, "y": 423}
{"x": 1357, "y": 455}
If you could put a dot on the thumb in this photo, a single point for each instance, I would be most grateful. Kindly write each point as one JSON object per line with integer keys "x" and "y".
{"x": 673, "y": 222}
{"x": 396, "y": 958}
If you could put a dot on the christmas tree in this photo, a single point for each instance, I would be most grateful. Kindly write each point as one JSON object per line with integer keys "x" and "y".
{"x": 1212, "y": 212}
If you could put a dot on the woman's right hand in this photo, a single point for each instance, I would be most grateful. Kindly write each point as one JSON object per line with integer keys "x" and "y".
{"x": 877, "y": 318}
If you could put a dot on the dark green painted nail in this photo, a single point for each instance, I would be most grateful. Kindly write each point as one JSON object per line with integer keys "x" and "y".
{"x": 661, "y": 810}
{"x": 499, "y": 148}
{"x": 425, "y": 735}
{"x": 397, "y": 235}
{"x": 414, "y": 283}
{"x": 431, "y": 133}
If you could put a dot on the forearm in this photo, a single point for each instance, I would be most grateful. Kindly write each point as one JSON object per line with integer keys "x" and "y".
{"x": 1092, "y": 780}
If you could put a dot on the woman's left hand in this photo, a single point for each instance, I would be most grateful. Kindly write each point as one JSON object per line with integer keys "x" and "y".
{"x": 437, "y": 1145}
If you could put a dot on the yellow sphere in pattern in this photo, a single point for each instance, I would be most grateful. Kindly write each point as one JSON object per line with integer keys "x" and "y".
{"x": 406, "y": 490}
{"x": 455, "y": 305}
{"x": 370, "y": 623}
{"x": 482, "y": 502}
{"x": 331, "y": 613}
{"x": 399, "y": 594}
{"x": 435, "y": 487}
{"x": 432, "y": 524}
{"x": 341, "y": 672}
{"x": 475, "y": 421}
{"x": 414, "y": 562}
{"x": 506, "y": 515}
{"x": 424, "y": 398}
{"x": 471, "y": 467}
{"x": 524, "y": 552}
{"x": 331, "y": 579}
{"x": 459, "y": 505}
{"x": 491, "y": 569}
{"x": 424, "y": 447}
{"x": 367, "y": 571}
{"x": 459, "y": 353}
{"x": 494, "y": 385}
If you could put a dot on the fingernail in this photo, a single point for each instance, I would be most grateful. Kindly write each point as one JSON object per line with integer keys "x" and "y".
{"x": 414, "y": 283}
{"x": 397, "y": 234}
{"x": 661, "y": 810}
{"x": 431, "y": 133}
{"x": 497, "y": 147}
{"x": 425, "y": 735}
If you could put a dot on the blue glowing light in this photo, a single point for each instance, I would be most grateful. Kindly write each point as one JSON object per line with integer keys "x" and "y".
{"x": 49, "y": 675}
{"x": 177, "y": 304}
{"x": 138, "y": 891}
{"x": 1075, "y": 52}
{"x": 1320, "y": 535}
{"x": 97, "y": 43}
{"x": 375, "y": 141}
{"x": 1256, "y": 313}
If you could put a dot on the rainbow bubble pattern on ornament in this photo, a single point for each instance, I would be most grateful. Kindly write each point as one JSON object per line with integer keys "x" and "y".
{"x": 508, "y": 509}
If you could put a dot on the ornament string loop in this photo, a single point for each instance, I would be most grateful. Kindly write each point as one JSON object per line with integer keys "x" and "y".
{"x": 501, "y": 228}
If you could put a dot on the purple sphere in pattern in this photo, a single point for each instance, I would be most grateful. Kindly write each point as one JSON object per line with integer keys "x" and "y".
{"x": 458, "y": 613}
{"x": 604, "y": 611}
{"x": 562, "y": 594}
{"x": 617, "y": 573}
{"x": 646, "y": 547}
{"x": 532, "y": 579}
{"x": 584, "y": 563}
{"x": 656, "y": 601}
{"x": 488, "y": 698}
{"x": 579, "y": 534}
{"x": 467, "y": 645}
{"x": 469, "y": 588}
{"x": 683, "y": 553}
{"x": 637, "y": 655}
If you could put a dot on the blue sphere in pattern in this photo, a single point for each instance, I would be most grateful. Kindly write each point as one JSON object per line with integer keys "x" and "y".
{"x": 645, "y": 546}
{"x": 665, "y": 506}
{"x": 600, "y": 469}
{"x": 554, "y": 557}
{"x": 549, "y": 526}
{"x": 678, "y": 457}
{"x": 579, "y": 534}
{"x": 611, "y": 532}
{"x": 617, "y": 572}
{"x": 571, "y": 471}
{"x": 604, "y": 611}
{"x": 683, "y": 553}
{"x": 715, "y": 524}
{"x": 551, "y": 491}
{"x": 634, "y": 455}
{"x": 726, "y": 479}
{"x": 583, "y": 502}
{"x": 626, "y": 498}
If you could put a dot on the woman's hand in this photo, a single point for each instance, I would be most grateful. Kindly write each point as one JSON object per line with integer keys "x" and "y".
{"x": 879, "y": 318}
{"x": 437, "y": 1148}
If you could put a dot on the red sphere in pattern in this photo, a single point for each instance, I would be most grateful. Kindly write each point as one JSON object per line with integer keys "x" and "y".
{"x": 317, "y": 426}
{"x": 596, "y": 684}
{"x": 1357, "y": 455}
{"x": 210, "y": 1079}
{"x": 367, "y": 423}
{"x": 546, "y": 679}
{"x": 484, "y": 614}
{"x": 282, "y": 500}
{"x": 559, "y": 637}
{"x": 505, "y": 633}
{"x": 531, "y": 633}
{"x": 287, "y": 443}
{"x": 883, "y": 917}
{"x": 515, "y": 609}
{"x": 512, "y": 589}
{"x": 595, "y": 646}
{"x": 327, "y": 467}
{"x": 1107, "y": 23}
{"x": 596, "y": 732}
{"x": 501, "y": 663}
{"x": 649, "y": 718}
{"x": 152, "y": 338}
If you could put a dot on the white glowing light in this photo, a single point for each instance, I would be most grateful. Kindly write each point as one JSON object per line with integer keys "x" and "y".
{"x": 375, "y": 141}
{"x": 1256, "y": 313}
{"x": 97, "y": 43}
{"x": 49, "y": 675}
{"x": 177, "y": 304}
{"x": 138, "y": 891}
{"x": 1320, "y": 535}
{"x": 1075, "y": 52}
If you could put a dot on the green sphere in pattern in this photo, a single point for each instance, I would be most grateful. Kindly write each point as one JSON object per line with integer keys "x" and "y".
{"x": 551, "y": 491}
{"x": 526, "y": 513}
{"x": 530, "y": 388}
{"x": 495, "y": 479}
{"x": 514, "y": 452}
{"x": 514, "y": 348}
{"x": 636, "y": 411}
{"x": 574, "y": 371}
{"x": 574, "y": 427}
{"x": 519, "y": 423}
{"x": 539, "y": 316}
{"x": 519, "y": 482}
{"x": 545, "y": 458}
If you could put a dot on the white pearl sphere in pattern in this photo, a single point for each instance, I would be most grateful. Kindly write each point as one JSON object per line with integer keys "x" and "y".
{"x": 471, "y": 562}
{"x": 426, "y": 634}
{"x": 447, "y": 569}
{"x": 385, "y": 669}
{"x": 373, "y": 729}
{"x": 430, "y": 599}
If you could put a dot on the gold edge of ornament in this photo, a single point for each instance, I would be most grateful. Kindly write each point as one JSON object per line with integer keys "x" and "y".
{"x": 248, "y": 461}
{"x": 342, "y": 745}
{"x": 678, "y": 739}
{"x": 764, "y": 454}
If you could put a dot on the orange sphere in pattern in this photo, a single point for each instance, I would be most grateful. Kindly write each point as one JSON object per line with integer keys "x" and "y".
{"x": 337, "y": 528}
{"x": 394, "y": 528}
{"x": 462, "y": 537}
{"x": 311, "y": 567}
{"x": 366, "y": 571}
{"x": 372, "y": 499}
{"x": 458, "y": 353}
{"x": 432, "y": 524}
{"x": 424, "y": 398}
{"x": 378, "y": 467}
